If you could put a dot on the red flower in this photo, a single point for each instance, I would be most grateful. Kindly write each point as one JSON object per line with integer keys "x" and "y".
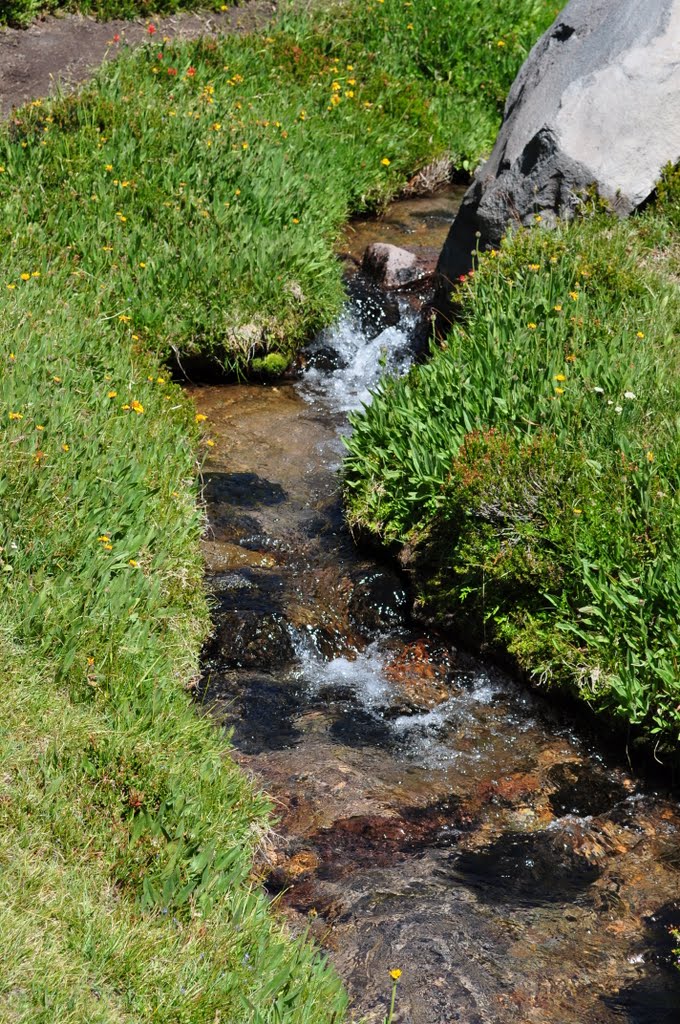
{"x": 116, "y": 38}
{"x": 159, "y": 56}
{"x": 191, "y": 72}
{"x": 151, "y": 29}
{"x": 172, "y": 71}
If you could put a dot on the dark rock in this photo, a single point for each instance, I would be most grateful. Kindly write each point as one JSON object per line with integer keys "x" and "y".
{"x": 583, "y": 790}
{"x": 378, "y": 602}
{"x": 390, "y": 266}
{"x": 246, "y": 638}
{"x": 596, "y": 102}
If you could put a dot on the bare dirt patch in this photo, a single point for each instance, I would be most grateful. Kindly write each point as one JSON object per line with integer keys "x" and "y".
{"x": 66, "y": 50}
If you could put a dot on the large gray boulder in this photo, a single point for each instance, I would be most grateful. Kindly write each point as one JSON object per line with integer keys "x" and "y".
{"x": 596, "y": 102}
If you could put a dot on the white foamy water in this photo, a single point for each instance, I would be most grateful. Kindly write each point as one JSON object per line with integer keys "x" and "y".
{"x": 361, "y": 360}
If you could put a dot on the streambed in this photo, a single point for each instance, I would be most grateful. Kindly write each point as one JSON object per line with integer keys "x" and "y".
{"x": 434, "y": 815}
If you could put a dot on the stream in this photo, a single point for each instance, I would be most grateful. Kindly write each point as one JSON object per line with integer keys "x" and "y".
{"x": 433, "y": 814}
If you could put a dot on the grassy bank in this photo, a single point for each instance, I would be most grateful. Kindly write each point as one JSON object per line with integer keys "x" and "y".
{"x": 188, "y": 199}
{"x": 19, "y": 13}
{"x": 532, "y": 467}
{"x": 205, "y": 185}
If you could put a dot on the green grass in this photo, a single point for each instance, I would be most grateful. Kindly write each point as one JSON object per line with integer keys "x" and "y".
{"x": 533, "y": 465}
{"x": 19, "y": 13}
{"x": 205, "y": 185}
{"x": 193, "y": 211}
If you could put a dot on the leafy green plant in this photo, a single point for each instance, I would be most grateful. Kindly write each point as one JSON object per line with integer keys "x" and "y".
{"x": 532, "y": 465}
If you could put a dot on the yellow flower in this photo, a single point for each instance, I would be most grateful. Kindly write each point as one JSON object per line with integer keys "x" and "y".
{"x": 124, "y": 318}
{"x": 351, "y": 81}
{"x": 385, "y": 162}
{"x": 558, "y": 308}
{"x": 296, "y": 220}
{"x": 11, "y": 287}
{"x": 559, "y": 376}
{"x": 25, "y": 277}
{"x": 349, "y": 93}
{"x": 133, "y": 562}
{"x": 39, "y": 426}
{"x": 160, "y": 380}
{"x": 137, "y": 407}
{"x": 534, "y": 266}
{"x": 532, "y": 326}
{"x": 143, "y": 265}
{"x": 395, "y": 974}
{"x": 108, "y": 547}
{"x": 104, "y": 539}
{"x": 109, "y": 167}
{"x": 409, "y": 27}
{"x": 501, "y": 42}
{"x": 125, "y": 407}
{"x": 244, "y": 145}
{"x": 112, "y": 394}
{"x": 16, "y": 416}
{"x": 571, "y": 358}
{"x": 559, "y": 391}
{"x": 217, "y": 126}
{"x": 335, "y": 99}
{"x": 650, "y": 456}
{"x": 66, "y": 447}
{"x": 200, "y": 417}
{"x": 640, "y": 334}
{"x": 578, "y": 511}
{"x": 573, "y": 295}
{"x": 210, "y": 443}
{"x": 36, "y": 273}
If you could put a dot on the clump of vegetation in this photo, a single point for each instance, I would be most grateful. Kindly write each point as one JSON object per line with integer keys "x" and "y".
{"x": 18, "y": 13}
{"x": 533, "y": 465}
{"x": 188, "y": 179}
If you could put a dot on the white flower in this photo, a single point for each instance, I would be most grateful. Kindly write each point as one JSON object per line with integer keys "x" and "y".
{"x": 618, "y": 409}
{"x": 598, "y": 391}
{"x": 629, "y": 394}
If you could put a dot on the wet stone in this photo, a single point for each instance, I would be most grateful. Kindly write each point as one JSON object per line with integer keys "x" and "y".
{"x": 247, "y": 638}
{"x": 583, "y": 790}
{"x": 378, "y": 602}
{"x": 527, "y": 869}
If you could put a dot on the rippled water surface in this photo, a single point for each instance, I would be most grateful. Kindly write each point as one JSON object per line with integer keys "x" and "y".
{"x": 434, "y": 815}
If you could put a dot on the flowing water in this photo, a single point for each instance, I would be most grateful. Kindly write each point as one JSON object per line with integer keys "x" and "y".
{"x": 434, "y": 815}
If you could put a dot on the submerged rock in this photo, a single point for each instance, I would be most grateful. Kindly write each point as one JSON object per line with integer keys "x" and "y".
{"x": 390, "y": 266}
{"x": 596, "y": 102}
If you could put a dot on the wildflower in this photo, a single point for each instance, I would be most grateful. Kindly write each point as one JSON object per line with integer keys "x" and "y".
{"x": 538, "y": 218}
{"x": 160, "y": 380}
{"x": 296, "y": 220}
{"x": 39, "y": 426}
{"x": 571, "y": 358}
{"x": 200, "y": 417}
{"x": 244, "y": 145}
{"x": 385, "y": 162}
{"x": 25, "y": 277}
{"x": 534, "y": 266}
{"x": 409, "y": 27}
{"x": 11, "y": 287}
{"x": 137, "y": 407}
{"x": 143, "y": 266}
{"x": 125, "y": 407}
{"x": 598, "y": 391}
{"x": 108, "y": 547}
{"x": 573, "y": 295}
{"x": 217, "y": 126}
{"x": 172, "y": 71}
{"x": 650, "y": 456}
{"x": 395, "y": 974}
{"x": 630, "y": 395}
{"x": 531, "y": 326}
{"x": 125, "y": 319}
{"x": 112, "y": 394}
{"x": 151, "y": 29}
{"x": 558, "y": 308}
{"x": 133, "y": 562}
{"x": 210, "y": 443}
{"x": 618, "y": 409}
{"x": 116, "y": 38}
{"x": 335, "y": 99}
{"x": 191, "y": 72}
{"x": 577, "y": 511}
{"x": 351, "y": 81}
{"x": 559, "y": 376}
{"x": 335, "y": 87}
{"x": 349, "y": 93}
{"x": 2, "y": 170}
{"x": 104, "y": 539}
{"x": 559, "y": 391}
{"x": 66, "y": 447}
{"x": 501, "y": 42}
{"x": 16, "y": 416}
{"x": 640, "y": 334}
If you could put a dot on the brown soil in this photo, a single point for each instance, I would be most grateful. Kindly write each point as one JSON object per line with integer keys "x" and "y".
{"x": 67, "y": 49}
